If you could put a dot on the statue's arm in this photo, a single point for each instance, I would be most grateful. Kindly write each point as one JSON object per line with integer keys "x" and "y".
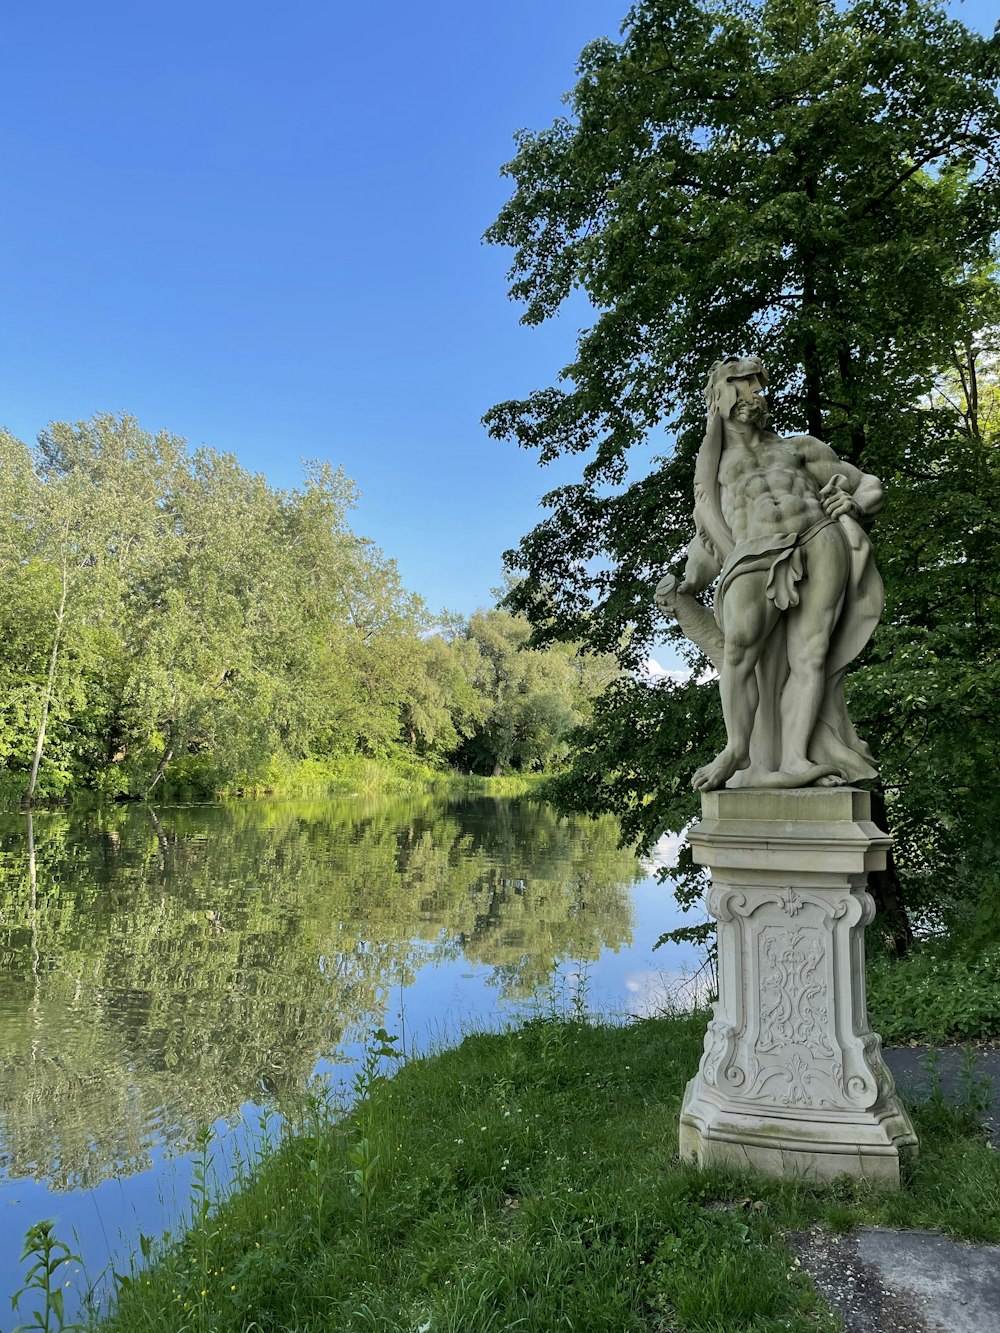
{"x": 680, "y": 601}
{"x": 843, "y": 488}
{"x": 701, "y": 568}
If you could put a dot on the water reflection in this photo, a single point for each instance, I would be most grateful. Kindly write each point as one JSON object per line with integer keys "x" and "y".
{"x": 159, "y": 970}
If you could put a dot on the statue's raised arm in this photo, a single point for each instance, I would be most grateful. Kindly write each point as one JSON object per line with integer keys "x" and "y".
{"x": 780, "y": 523}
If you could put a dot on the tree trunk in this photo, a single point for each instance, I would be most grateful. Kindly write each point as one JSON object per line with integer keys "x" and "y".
{"x": 29, "y": 795}
{"x": 813, "y": 388}
{"x": 498, "y": 768}
{"x": 845, "y": 364}
{"x": 810, "y": 350}
{"x": 892, "y": 920}
{"x": 168, "y": 754}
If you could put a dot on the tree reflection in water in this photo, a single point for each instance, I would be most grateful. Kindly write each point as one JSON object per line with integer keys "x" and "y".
{"x": 160, "y": 969}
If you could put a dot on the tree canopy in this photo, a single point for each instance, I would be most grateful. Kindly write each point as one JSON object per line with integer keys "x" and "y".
{"x": 818, "y": 185}
{"x": 170, "y": 615}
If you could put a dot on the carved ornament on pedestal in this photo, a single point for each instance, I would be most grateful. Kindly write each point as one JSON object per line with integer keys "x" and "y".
{"x": 792, "y": 1079}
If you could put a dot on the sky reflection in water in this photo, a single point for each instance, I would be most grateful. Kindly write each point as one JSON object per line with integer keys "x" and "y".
{"x": 165, "y": 971}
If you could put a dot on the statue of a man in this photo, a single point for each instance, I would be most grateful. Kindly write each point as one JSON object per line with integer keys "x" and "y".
{"x": 780, "y": 521}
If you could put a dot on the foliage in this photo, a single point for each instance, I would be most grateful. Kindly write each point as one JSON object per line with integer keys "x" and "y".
{"x": 936, "y": 995}
{"x": 45, "y": 1277}
{"x": 528, "y": 1180}
{"x": 172, "y": 621}
{"x": 967, "y": 1114}
{"x": 532, "y": 699}
{"x": 818, "y": 185}
{"x": 925, "y": 694}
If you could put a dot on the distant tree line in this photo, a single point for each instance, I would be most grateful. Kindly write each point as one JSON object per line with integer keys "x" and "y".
{"x": 169, "y": 617}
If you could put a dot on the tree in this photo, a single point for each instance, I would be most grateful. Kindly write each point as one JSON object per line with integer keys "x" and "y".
{"x": 84, "y": 506}
{"x": 169, "y": 611}
{"x": 532, "y": 698}
{"x": 814, "y": 184}
{"x": 927, "y": 691}
{"x": 442, "y": 705}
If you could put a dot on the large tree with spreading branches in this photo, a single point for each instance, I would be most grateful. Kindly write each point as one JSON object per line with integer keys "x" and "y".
{"x": 818, "y": 185}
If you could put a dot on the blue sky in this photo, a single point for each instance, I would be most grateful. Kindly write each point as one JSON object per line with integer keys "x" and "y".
{"x": 258, "y": 226}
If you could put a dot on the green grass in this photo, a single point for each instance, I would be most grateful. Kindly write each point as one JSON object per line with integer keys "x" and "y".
{"x": 528, "y": 1181}
{"x": 400, "y": 774}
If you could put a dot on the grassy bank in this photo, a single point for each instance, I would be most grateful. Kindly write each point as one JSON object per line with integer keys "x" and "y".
{"x": 528, "y": 1181}
{"x": 354, "y": 775}
{"x": 313, "y": 779}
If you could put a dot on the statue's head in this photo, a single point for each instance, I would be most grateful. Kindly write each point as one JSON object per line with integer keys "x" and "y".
{"x": 734, "y": 389}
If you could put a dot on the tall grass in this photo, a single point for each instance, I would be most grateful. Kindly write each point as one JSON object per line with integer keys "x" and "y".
{"x": 355, "y": 775}
{"x": 528, "y": 1181}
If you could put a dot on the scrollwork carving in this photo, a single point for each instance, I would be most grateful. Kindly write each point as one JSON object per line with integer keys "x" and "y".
{"x": 793, "y": 991}
{"x": 720, "y": 1044}
{"x": 725, "y": 903}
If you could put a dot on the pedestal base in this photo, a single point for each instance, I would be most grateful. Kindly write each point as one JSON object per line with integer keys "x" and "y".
{"x": 809, "y": 1149}
{"x": 792, "y": 1080}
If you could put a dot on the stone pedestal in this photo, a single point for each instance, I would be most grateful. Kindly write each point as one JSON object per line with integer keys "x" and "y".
{"x": 792, "y": 1080}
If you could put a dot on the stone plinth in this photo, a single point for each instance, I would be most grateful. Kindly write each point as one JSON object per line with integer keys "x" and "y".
{"x": 792, "y": 1080}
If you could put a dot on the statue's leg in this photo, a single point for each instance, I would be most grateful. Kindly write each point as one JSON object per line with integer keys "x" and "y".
{"x": 747, "y": 619}
{"x": 808, "y": 630}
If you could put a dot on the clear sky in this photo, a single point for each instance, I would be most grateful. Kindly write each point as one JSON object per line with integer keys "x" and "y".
{"x": 258, "y": 226}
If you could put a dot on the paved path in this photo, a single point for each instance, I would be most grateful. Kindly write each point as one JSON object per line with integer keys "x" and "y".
{"x": 886, "y": 1281}
{"x": 913, "y": 1078}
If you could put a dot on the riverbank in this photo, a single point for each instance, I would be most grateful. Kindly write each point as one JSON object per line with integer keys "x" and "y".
{"x": 397, "y": 776}
{"x": 528, "y": 1180}
{"x": 317, "y": 778}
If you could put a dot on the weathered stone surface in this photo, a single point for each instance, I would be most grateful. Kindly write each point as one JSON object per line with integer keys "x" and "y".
{"x": 792, "y": 1079}
{"x": 781, "y": 530}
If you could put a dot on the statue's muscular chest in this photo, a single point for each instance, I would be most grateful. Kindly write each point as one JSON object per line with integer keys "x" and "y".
{"x": 771, "y": 467}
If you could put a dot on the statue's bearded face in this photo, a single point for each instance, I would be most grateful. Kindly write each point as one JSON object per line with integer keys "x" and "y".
{"x": 751, "y": 410}
{"x": 735, "y": 388}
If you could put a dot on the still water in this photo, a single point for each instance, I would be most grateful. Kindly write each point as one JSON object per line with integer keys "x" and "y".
{"x": 162, "y": 971}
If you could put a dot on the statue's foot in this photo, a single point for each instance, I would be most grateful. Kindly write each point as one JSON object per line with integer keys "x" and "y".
{"x": 719, "y": 771}
{"x": 806, "y": 774}
{"x": 790, "y": 778}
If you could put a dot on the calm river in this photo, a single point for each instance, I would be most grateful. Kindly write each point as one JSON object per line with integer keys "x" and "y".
{"x": 189, "y": 967}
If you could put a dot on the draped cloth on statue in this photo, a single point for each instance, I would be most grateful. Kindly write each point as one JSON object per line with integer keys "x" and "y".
{"x": 834, "y": 740}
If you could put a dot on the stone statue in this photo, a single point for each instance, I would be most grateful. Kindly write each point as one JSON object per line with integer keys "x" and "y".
{"x": 781, "y": 522}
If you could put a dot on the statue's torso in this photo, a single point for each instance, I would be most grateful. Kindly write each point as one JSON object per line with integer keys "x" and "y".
{"x": 766, "y": 490}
